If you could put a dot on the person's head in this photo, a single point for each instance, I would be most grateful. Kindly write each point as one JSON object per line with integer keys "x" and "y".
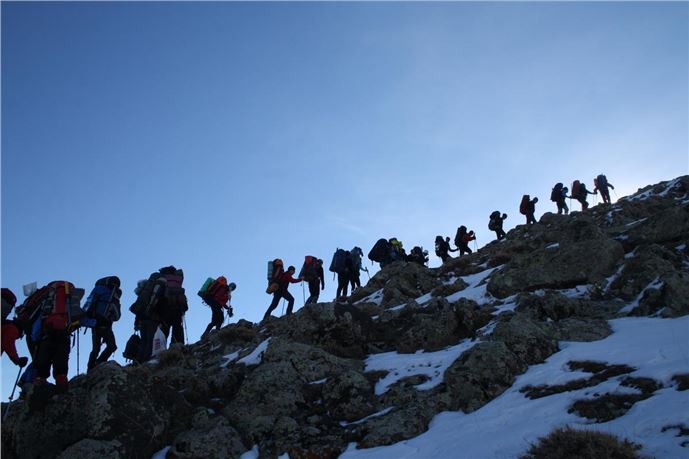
{"x": 535, "y": 200}
{"x": 320, "y": 262}
{"x": 447, "y": 239}
{"x": 565, "y": 189}
{"x": 232, "y": 286}
{"x": 471, "y": 233}
{"x": 291, "y": 269}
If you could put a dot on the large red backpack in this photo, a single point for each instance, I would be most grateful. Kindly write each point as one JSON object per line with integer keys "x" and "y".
{"x": 524, "y": 206}
{"x": 61, "y": 305}
{"x": 576, "y": 186}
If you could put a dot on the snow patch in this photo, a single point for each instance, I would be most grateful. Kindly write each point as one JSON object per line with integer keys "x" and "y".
{"x": 499, "y": 430}
{"x": 375, "y": 297}
{"x": 655, "y": 284}
{"x": 681, "y": 247}
{"x": 431, "y": 364}
{"x": 320, "y": 381}
{"x": 362, "y": 420}
{"x": 251, "y": 454}
{"x": 229, "y": 358}
{"x": 636, "y": 222}
{"x": 162, "y": 453}
{"x": 554, "y": 245}
{"x": 476, "y": 287}
{"x": 256, "y": 355}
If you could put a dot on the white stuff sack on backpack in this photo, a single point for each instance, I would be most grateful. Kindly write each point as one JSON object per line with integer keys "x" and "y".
{"x": 159, "y": 342}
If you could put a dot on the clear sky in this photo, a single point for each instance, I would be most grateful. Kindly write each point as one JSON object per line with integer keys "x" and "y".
{"x": 217, "y": 136}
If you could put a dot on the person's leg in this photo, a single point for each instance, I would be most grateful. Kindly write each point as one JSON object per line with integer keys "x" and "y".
{"x": 61, "y": 360}
{"x": 148, "y": 329}
{"x": 44, "y": 356}
{"x": 110, "y": 344}
{"x": 314, "y": 291}
{"x": 177, "y": 329}
{"x": 273, "y": 304}
{"x": 290, "y": 301}
{"x": 95, "y": 348}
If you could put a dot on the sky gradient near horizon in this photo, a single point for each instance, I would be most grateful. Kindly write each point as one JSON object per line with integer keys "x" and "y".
{"x": 216, "y": 136}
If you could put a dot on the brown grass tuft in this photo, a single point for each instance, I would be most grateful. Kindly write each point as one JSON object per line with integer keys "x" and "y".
{"x": 568, "y": 443}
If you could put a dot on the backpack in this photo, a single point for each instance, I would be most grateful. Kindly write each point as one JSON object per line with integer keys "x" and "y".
{"x": 219, "y": 284}
{"x": 524, "y": 206}
{"x": 104, "y": 300}
{"x": 459, "y": 237}
{"x": 203, "y": 291}
{"x": 60, "y": 306}
{"x": 417, "y": 255}
{"x": 601, "y": 182}
{"x": 338, "y": 264}
{"x": 149, "y": 293}
{"x": 131, "y": 350}
{"x": 439, "y": 245}
{"x": 556, "y": 194}
{"x": 8, "y": 302}
{"x": 173, "y": 276}
{"x": 356, "y": 254}
{"x": 494, "y": 219}
{"x": 275, "y": 269}
{"x": 380, "y": 251}
{"x": 576, "y": 189}
{"x": 28, "y": 311}
{"x": 309, "y": 270}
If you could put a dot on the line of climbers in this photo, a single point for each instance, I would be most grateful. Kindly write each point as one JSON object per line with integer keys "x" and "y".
{"x": 50, "y": 315}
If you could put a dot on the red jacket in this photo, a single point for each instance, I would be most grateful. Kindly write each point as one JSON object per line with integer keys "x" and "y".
{"x": 285, "y": 279}
{"x": 10, "y": 334}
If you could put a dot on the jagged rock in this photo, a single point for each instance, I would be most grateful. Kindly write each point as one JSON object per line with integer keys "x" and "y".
{"x": 349, "y": 396}
{"x": 586, "y": 329}
{"x": 209, "y": 437}
{"x": 481, "y": 374}
{"x": 439, "y": 324}
{"x": 93, "y": 449}
{"x": 310, "y": 362}
{"x": 555, "y": 306}
{"x": 271, "y": 389}
{"x": 648, "y": 264}
{"x": 584, "y": 255}
{"x": 671, "y": 297}
{"x": 667, "y": 225}
{"x": 527, "y": 339}
{"x": 110, "y": 403}
{"x": 307, "y": 396}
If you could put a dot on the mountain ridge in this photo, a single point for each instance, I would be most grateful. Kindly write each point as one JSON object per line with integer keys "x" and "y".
{"x": 415, "y": 342}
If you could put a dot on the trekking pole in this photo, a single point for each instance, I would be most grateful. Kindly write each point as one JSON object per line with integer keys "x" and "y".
{"x": 367, "y": 273}
{"x": 283, "y": 307}
{"x": 303, "y": 293}
{"x": 186, "y": 334}
{"x": 16, "y": 381}
{"x": 78, "y": 352}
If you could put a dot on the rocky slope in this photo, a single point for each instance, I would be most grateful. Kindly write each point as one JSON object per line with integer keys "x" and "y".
{"x": 329, "y": 375}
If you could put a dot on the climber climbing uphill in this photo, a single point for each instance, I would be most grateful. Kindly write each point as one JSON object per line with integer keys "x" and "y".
{"x": 217, "y": 294}
{"x": 279, "y": 281}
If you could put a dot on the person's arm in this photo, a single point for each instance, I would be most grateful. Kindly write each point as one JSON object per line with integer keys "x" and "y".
{"x": 10, "y": 333}
{"x": 610, "y": 185}
{"x": 293, "y": 280}
{"x": 321, "y": 276}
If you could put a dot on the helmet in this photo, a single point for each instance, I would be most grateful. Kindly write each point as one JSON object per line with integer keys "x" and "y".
{"x": 232, "y": 286}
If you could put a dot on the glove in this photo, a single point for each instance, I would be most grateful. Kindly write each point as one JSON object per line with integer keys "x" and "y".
{"x": 22, "y": 361}
{"x": 230, "y": 312}
{"x": 73, "y": 326}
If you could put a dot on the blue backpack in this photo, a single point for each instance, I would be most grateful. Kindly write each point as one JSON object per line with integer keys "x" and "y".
{"x": 104, "y": 300}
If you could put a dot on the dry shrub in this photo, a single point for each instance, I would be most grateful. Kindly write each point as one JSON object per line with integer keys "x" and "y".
{"x": 568, "y": 443}
{"x": 682, "y": 381}
{"x": 170, "y": 357}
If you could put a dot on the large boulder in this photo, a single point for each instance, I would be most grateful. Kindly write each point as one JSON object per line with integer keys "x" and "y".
{"x": 481, "y": 374}
{"x": 121, "y": 409}
{"x": 583, "y": 255}
{"x": 209, "y": 437}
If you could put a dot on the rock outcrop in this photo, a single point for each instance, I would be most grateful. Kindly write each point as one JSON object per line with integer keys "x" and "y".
{"x": 376, "y": 369}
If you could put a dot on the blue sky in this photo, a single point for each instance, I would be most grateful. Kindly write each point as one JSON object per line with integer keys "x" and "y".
{"x": 217, "y": 136}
